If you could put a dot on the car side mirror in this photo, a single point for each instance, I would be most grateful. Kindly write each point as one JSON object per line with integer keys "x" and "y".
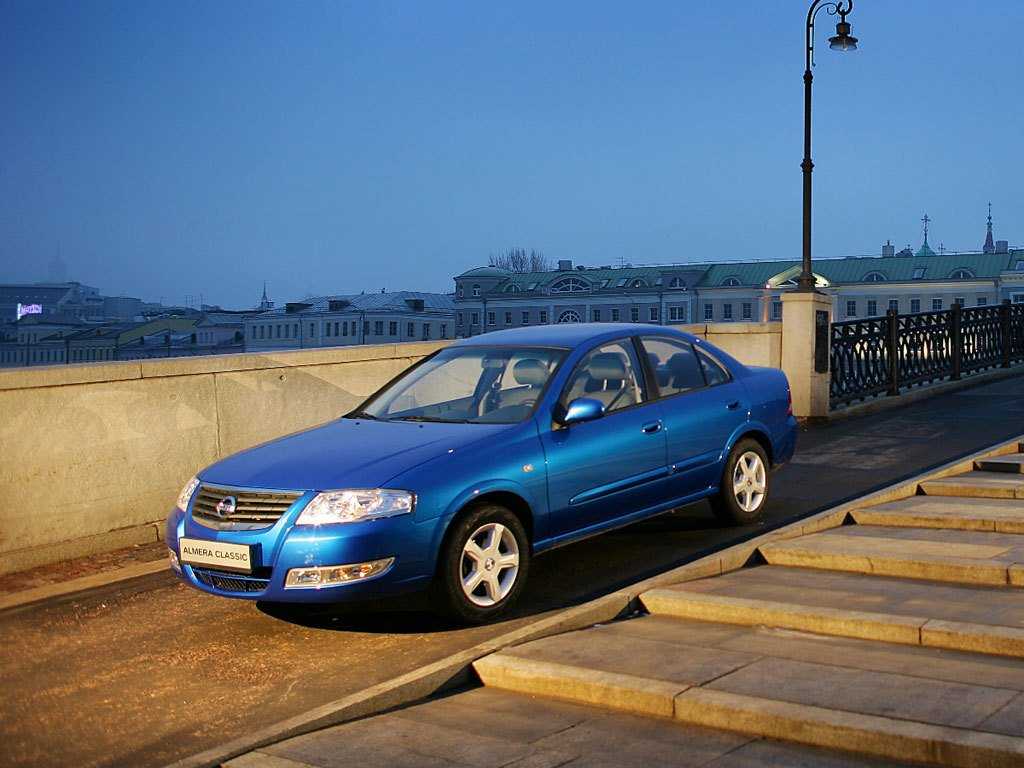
{"x": 582, "y": 409}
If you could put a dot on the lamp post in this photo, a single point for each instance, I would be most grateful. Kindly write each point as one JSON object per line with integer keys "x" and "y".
{"x": 842, "y": 41}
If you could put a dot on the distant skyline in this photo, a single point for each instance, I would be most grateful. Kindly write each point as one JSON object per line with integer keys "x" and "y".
{"x": 173, "y": 149}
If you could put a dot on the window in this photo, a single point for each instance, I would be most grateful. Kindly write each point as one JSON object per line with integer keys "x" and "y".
{"x": 919, "y": 273}
{"x": 731, "y": 282}
{"x": 714, "y": 372}
{"x": 261, "y": 331}
{"x": 426, "y": 331}
{"x": 675, "y": 365}
{"x": 653, "y": 314}
{"x": 393, "y": 328}
{"x": 344, "y": 328}
{"x": 474, "y": 319}
{"x": 476, "y": 290}
{"x": 776, "y": 310}
{"x": 478, "y": 384}
{"x": 960, "y": 300}
{"x": 595, "y": 315}
{"x": 961, "y": 274}
{"x": 727, "y": 311}
{"x": 638, "y": 283}
{"x": 709, "y": 311}
{"x": 295, "y": 334}
{"x": 616, "y": 315}
{"x": 327, "y": 329}
{"x": 490, "y": 318}
{"x": 982, "y": 301}
{"x": 634, "y": 314}
{"x": 1017, "y": 298}
{"x": 1019, "y": 266}
{"x": 894, "y": 305}
{"x": 569, "y": 316}
{"x": 677, "y": 282}
{"x": 570, "y": 285}
{"x": 458, "y": 318}
{"x": 915, "y": 306}
{"x": 508, "y": 318}
{"x": 378, "y": 327}
{"x": 444, "y": 330}
{"x": 607, "y": 374}
{"x": 748, "y": 310}
{"x": 462, "y": 291}
{"x": 874, "y": 277}
{"x": 851, "y": 308}
{"x": 410, "y": 329}
{"x": 543, "y": 316}
{"x": 312, "y": 330}
{"x": 936, "y": 305}
{"x": 677, "y": 314}
{"x": 526, "y": 318}
{"x": 872, "y": 308}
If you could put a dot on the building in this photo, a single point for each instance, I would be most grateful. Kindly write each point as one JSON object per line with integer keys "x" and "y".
{"x": 365, "y": 318}
{"x": 490, "y": 298}
{"x": 70, "y": 299}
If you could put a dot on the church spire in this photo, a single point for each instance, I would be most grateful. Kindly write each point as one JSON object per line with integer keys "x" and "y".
{"x": 925, "y": 249}
{"x": 990, "y": 246}
{"x": 265, "y": 303}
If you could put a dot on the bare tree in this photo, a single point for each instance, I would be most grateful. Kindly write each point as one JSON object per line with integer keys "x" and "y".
{"x": 518, "y": 260}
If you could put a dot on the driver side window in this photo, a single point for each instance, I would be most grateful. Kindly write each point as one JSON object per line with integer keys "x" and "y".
{"x": 608, "y": 374}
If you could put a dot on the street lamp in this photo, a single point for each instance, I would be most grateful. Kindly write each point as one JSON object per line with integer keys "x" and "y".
{"x": 842, "y": 41}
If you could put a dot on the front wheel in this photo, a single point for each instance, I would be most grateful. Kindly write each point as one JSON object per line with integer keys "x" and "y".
{"x": 484, "y": 564}
{"x": 743, "y": 493}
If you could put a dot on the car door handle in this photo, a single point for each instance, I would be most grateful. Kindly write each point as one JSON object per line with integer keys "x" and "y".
{"x": 733, "y": 405}
{"x": 652, "y": 427}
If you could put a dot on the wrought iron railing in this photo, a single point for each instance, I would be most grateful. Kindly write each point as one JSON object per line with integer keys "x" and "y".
{"x": 883, "y": 355}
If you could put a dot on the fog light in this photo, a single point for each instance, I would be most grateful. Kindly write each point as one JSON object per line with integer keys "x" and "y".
{"x": 330, "y": 575}
{"x": 173, "y": 557}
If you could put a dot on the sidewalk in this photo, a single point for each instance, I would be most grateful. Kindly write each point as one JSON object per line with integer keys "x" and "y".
{"x": 896, "y": 636}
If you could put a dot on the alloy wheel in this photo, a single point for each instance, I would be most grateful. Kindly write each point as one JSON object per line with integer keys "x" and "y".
{"x": 490, "y": 564}
{"x": 749, "y": 481}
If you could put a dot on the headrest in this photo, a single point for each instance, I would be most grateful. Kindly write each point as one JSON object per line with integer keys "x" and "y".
{"x": 607, "y": 366}
{"x": 530, "y": 371}
{"x": 680, "y": 361}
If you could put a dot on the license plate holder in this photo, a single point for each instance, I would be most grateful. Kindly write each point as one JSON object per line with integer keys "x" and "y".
{"x": 219, "y": 555}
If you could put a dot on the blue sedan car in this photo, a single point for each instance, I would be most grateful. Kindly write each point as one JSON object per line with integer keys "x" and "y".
{"x": 480, "y": 457}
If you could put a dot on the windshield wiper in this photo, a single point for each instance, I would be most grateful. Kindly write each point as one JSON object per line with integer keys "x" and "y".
{"x": 431, "y": 420}
{"x": 362, "y": 415}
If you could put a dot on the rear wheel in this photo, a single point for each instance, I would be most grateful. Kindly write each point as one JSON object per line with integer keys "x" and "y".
{"x": 484, "y": 564}
{"x": 743, "y": 493}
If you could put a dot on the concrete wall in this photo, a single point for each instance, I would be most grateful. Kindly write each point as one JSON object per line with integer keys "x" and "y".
{"x": 91, "y": 456}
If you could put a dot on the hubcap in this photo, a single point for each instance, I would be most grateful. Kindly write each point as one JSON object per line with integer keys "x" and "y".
{"x": 749, "y": 481}
{"x": 490, "y": 564}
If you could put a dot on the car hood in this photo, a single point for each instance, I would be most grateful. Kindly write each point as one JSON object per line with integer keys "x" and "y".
{"x": 345, "y": 453}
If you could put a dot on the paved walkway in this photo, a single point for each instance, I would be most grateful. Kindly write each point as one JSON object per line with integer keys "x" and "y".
{"x": 158, "y": 671}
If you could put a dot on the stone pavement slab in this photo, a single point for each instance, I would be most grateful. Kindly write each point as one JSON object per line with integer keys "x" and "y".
{"x": 488, "y": 727}
{"x": 978, "y": 484}
{"x": 955, "y": 513}
{"x": 1012, "y": 463}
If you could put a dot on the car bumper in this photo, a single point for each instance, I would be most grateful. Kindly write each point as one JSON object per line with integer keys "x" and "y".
{"x": 283, "y": 547}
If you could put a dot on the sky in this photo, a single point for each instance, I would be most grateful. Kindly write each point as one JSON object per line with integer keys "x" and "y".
{"x": 182, "y": 149}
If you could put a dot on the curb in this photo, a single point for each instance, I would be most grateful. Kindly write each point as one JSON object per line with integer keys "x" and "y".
{"x": 36, "y": 594}
{"x": 458, "y": 668}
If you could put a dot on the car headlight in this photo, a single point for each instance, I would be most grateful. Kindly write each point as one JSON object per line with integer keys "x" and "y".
{"x": 355, "y": 505}
{"x": 186, "y": 493}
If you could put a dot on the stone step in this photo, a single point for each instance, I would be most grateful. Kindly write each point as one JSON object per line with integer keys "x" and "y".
{"x": 977, "y": 484}
{"x": 889, "y": 705}
{"x": 1012, "y": 463}
{"x": 966, "y": 514}
{"x": 962, "y": 556}
{"x": 986, "y": 620}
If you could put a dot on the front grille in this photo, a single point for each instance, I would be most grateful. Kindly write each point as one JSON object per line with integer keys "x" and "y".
{"x": 252, "y": 508}
{"x": 230, "y": 583}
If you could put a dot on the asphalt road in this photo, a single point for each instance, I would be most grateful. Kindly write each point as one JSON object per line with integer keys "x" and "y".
{"x": 144, "y": 672}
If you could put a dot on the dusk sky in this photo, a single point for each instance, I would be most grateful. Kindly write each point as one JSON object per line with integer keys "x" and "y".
{"x": 166, "y": 149}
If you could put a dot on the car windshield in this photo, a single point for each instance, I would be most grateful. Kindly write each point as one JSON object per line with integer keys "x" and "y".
{"x": 481, "y": 385}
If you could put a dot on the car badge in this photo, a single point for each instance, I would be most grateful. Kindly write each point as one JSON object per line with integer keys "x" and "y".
{"x": 226, "y": 507}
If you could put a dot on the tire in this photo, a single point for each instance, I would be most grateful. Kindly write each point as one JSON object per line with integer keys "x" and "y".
{"x": 476, "y": 584}
{"x": 743, "y": 493}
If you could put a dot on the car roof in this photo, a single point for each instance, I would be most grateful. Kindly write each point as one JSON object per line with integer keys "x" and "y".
{"x": 567, "y": 334}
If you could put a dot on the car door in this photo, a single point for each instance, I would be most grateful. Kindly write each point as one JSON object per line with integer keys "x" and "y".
{"x": 612, "y": 466}
{"x": 702, "y": 406}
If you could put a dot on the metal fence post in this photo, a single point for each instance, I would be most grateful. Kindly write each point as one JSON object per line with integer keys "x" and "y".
{"x": 955, "y": 339}
{"x": 892, "y": 347}
{"x": 1005, "y": 331}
